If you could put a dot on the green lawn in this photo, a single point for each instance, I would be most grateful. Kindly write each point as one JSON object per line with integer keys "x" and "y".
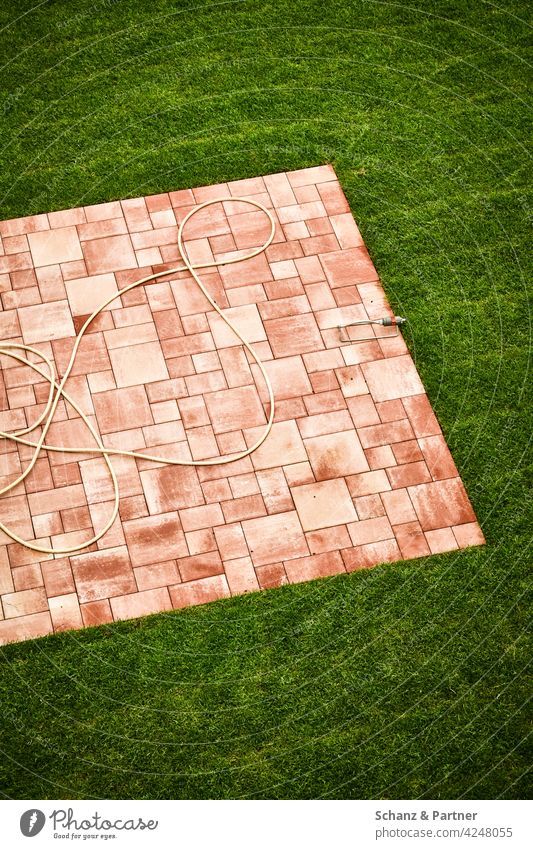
{"x": 410, "y": 680}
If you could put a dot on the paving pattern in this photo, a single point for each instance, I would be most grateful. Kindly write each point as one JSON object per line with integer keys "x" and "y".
{"x": 355, "y": 472}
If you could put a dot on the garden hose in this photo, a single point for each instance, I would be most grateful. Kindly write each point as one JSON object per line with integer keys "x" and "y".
{"x": 57, "y": 391}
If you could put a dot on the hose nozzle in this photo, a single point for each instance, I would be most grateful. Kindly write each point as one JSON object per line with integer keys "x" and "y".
{"x": 387, "y": 321}
{"x": 391, "y": 321}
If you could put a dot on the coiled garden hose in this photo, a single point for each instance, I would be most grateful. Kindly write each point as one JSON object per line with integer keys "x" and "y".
{"x": 57, "y": 391}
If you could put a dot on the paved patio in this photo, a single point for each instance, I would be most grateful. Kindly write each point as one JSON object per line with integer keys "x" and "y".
{"x": 355, "y": 471}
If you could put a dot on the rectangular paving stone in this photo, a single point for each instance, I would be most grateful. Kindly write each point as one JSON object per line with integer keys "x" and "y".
{"x": 141, "y": 603}
{"x": 315, "y": 566}
{"x": 52, "y": 246}
{"x": 65, "y": 612}
{"x": 200, "y": 591}
{"x": 122, "y": 409}
{"x": 241, "y": 576}
{"x": 138, "y": 364}
{"x": 293, "y": 335}
{"x": 114, "y": 253}
{"x": 394, "y": 377}
{"x": 231, "y": 409}
{"x": 42, "y": 322}
{"x": 26, "y": 627}
{"x": 336, "y": 455}
{"x": 168, "y": 488}
{"x": 102, "y": 574}
{"x": 441, "y": 504}
{"x": 246, "y": 319}
{"x": 324, "y": 504}
{"x": 200, "y": 566}
{"x": 86, "y": 294}
{"x": 155, "y": 539}
{"x": 269, "y": 537}
{"x": 24, "y": 602}
{"x": 288, "y": 377}
{"x": 284, "y": 446}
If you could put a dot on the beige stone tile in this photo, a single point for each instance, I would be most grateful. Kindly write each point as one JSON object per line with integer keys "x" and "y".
{"x": 136, "y": 364}
{"x": 336, "y": 455}
{"x": 324, "y": 504}
{"x": 49, "y": 247}
{"x": 272, "y": 538}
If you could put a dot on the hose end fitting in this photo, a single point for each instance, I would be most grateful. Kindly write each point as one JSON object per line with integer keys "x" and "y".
{"x": 394, "y": 320}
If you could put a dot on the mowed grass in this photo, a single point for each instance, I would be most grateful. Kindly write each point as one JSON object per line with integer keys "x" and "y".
{"x": 406, "y": 681}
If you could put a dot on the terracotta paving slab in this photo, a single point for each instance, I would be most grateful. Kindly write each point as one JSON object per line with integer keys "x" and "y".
{"x": 355, "y": 471}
